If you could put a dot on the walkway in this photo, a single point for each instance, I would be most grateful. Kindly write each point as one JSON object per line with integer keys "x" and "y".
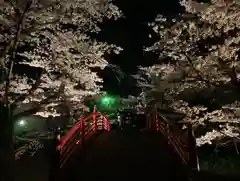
{"x": 124, "y": 155}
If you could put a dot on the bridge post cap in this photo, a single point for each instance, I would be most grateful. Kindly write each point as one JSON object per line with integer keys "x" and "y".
{"x": 94, "y": 108}
{"x": 59, "y": 147}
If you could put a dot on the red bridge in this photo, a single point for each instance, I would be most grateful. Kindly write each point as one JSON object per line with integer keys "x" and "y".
{"x": 90, "y": 150}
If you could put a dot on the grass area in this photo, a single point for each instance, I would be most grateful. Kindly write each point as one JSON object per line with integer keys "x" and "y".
{"x": 221, "y": 163}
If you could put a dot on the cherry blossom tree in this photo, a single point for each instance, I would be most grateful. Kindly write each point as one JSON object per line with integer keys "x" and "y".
{"x": 53, "y": 39}
{"x": 198, "y": 64}
{"x": 47, "y": 57}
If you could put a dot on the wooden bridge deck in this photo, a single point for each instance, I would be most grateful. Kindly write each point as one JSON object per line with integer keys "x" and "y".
{"x": 123, "y": 155}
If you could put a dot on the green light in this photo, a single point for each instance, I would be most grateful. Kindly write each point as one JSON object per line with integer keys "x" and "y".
{"x": 107, "y": 101}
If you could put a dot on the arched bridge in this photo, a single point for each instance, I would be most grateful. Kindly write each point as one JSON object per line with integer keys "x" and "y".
{"x": 90, "y": 150}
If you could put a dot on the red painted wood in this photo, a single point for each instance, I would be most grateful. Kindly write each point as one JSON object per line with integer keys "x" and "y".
{"x": 81, "y": 131}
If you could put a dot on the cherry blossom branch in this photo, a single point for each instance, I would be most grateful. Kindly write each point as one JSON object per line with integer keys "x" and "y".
{"x": 13, "y": 53}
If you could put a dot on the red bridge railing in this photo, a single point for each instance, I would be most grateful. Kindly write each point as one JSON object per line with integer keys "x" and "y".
{"x": 184, "y": 145}
{"x": 80, "y": 132}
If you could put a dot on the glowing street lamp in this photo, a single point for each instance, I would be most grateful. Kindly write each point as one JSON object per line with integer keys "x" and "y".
{"x": 107, "y": 100}
{"x": 22, "y": 123}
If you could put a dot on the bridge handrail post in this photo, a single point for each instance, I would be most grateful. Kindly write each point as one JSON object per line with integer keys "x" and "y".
{"x": 156, "y": 121}
{"x": 192, "y": 149}
{"x": 94, "y": 118}
{"x": 82, "y": 128}
{"x": 167, "y": 131}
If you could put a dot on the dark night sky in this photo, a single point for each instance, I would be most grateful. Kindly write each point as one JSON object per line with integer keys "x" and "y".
{"x": 131, "y": 33}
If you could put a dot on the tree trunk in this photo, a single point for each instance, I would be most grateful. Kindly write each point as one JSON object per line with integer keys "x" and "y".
{"x": 193, "y": 156}
{"x": 6, "y": 147}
